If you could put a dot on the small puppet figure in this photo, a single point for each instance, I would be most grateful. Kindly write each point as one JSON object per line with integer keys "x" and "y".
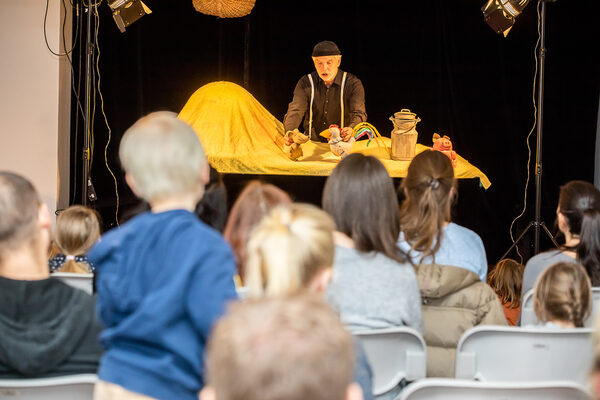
{"x": 444, "y": 144}
{"x": 297, "y": 138}
{"x": 337, "y": 145}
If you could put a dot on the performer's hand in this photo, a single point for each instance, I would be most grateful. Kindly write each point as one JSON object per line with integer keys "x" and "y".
{"x": 289, "y": 138}
{"x": 346, "y": 133}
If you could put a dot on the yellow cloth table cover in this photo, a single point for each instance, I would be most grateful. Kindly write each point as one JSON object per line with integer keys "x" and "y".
{"x": 240, "y": 136}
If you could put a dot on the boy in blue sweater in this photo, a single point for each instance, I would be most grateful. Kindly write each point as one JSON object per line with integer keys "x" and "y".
{"x": 164, "y": 277}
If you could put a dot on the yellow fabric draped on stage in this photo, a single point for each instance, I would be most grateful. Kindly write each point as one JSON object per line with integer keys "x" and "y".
{"x": 240, "y": 136}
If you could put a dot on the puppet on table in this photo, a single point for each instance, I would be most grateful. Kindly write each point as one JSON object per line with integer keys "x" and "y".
{"x": 444, "y": 145}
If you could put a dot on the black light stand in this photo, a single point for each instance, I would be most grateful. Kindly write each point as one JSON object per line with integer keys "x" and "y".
{"x": 536, "y": 223}
{"x": 87, "y": 191}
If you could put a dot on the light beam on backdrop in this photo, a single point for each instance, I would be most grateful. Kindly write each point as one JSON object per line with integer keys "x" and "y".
{"x": 500, "y": 16}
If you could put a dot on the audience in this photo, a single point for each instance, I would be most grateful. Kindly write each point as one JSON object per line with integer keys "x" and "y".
{"x": 77, "y": 229}
{"x": 374, "y": 285}
{"x": 506, "y": 280}
{"x": 164, "y": 277}
{"x": 253, "y": 203}
{"x": 46, "y": 327}
{"x": 291, "y": 251}
{"x": 562, "y": 296}
{"x": 578, "y": 216}
{"x": 428, "y": 234}
{"x": 288, "y": 348}
{"x": 451, "y": 262}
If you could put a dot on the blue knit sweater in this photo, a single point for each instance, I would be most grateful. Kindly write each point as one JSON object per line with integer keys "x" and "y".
{"x": 162, "y": 281}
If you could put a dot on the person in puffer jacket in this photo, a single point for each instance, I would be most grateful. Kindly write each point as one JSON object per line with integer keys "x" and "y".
{"x": 453, "y": 301}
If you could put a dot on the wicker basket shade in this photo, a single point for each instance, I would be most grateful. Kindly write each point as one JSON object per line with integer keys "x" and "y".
{"x": 224, "y": 8}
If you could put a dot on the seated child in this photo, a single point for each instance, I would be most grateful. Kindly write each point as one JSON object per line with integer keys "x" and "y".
{"x": 563, "y": 296}
{"x": 164, "y": 277}
{"x": 506, "y": 280}
{"x": 77, "y": 229}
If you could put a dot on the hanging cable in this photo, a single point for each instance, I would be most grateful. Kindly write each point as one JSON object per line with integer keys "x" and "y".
{"x": 46, "y": 35}
{"x": 537, "y": 44}
{"x": 105, "y": 119}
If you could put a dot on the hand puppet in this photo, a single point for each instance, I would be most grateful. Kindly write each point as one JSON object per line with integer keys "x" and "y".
{"x": 444, "y": 144}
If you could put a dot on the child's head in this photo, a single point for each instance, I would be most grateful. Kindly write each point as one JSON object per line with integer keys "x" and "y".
{"x": 77, "y": 229}
{"x": 563, "y": 295}
{"x": 163, "y": 159}
{"x": 285, "y": 348}
{"x": 506, "y": 280}
{"x": 254, "y": 202}
{"x": 291, "y": 249}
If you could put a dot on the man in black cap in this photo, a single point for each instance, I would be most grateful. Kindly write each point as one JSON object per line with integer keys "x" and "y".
{"x": 326, "y": 96}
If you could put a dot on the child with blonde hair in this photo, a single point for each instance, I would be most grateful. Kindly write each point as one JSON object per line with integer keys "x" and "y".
{"x": 77, "y": 229}
{"x": 506, "y": 280}
{"x": 563, "y": 296}
{"x": 292, "y": 251}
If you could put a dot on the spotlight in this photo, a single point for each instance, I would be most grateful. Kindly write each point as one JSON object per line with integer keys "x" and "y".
{"x": 500, "y": 15}
{"x": 126, "y": 12}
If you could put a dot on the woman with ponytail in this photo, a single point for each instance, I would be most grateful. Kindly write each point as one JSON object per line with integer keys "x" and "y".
{"x": 428, "y": 234}
{"x": 450, "y": 260}
{"x": 578, "y": 217}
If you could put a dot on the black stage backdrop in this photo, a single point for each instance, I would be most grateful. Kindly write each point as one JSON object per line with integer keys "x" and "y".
{"x": 436, "y": 57}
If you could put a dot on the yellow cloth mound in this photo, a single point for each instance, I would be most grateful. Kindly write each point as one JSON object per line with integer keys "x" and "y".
{"x": 240, "y": 136}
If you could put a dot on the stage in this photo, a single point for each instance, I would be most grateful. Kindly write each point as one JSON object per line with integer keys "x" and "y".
{"x": 240, "y": 136}
{"x": 438, "y": 58}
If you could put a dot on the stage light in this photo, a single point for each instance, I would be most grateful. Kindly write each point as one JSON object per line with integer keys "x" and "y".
{"x": 500, "y": 15}
{"x": 126, "y": 12}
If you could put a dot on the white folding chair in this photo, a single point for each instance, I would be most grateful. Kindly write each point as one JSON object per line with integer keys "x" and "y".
{"x": 69, "y": 387}
{"x": 452, "y": 389}
{"x": 84, "y": 282}
{"x": 394, "y": 354}
{"x": 495, "y": 354}
{"x": 528, "y": 316}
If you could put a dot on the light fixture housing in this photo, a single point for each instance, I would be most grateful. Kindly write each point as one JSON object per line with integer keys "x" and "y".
{"x": 500, "y": 15}
{"x": 126, "y": 12}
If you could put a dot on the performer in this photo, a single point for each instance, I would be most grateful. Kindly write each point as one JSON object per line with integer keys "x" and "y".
{"x": 317, "y": 97}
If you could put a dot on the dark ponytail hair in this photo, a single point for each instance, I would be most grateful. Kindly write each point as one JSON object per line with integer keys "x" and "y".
{"x": 360, "y": 196}
{"x": 579, "y": 203}
{"x": 428, "y": 201}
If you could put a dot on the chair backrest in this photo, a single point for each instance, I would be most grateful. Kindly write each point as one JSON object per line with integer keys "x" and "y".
{"x": 495, "y": 353}
{"x": 70, "y": 387}
{"x": 528, "y": 316}
{"x": 394, "y": 354}
{"x": 452, "y": 389}
{"x": 84, "y": 282}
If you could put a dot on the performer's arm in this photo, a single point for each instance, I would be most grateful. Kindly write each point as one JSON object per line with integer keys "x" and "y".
{"x": 357, "y": 102}
{"x": 297, "y": 107}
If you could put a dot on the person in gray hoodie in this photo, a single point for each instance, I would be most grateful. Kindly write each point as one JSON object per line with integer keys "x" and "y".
{"x": 46, "y": 327}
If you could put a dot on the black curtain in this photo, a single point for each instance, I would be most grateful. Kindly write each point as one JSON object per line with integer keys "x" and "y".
{"x": 436, "y": 57}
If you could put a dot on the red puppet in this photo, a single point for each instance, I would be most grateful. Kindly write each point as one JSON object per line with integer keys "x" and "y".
{"x": 444, "y": 145}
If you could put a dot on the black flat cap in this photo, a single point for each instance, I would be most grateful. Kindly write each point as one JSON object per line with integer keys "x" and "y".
{"x": 326, "y": 48}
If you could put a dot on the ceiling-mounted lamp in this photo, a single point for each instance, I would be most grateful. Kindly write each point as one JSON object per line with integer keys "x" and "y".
{"x": 500, "y": 15}
{"x": 126, "y": 12}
